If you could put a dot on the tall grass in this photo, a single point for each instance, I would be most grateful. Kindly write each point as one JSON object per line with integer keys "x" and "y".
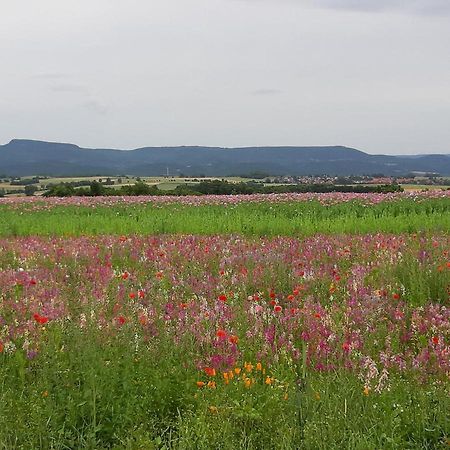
{"x": 300, "y": 218}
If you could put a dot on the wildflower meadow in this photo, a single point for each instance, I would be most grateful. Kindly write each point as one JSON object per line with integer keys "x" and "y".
{"x": 294, "y": 321}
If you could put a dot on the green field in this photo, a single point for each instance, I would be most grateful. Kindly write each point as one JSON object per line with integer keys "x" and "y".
{"x": 299, "y": 218}
{"x": 264, "y": 325}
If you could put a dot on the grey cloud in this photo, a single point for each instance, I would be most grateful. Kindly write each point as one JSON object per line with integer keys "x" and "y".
{"x": 418, "y": 6}
{"x": 71, "y": 88}
{"x": 95, "y": 106}
{"x": 434, "y": 7}
{"x": 49, "y": 76}
{"x": 266, "y": 92}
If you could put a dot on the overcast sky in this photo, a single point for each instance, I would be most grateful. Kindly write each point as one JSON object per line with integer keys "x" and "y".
{"x": 369, "y": 74}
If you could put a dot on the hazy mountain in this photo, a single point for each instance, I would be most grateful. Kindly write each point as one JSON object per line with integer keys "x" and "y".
{"x": 27, "y": 157}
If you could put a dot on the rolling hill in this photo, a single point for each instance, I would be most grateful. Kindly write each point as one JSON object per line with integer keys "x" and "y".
{"x": 28, "y": 157}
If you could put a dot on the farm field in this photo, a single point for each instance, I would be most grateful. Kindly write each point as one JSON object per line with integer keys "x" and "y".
{"x": 315, "y": 321}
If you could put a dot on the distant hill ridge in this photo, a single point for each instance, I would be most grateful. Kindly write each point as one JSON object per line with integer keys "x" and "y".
{"x": 22, "y": 157}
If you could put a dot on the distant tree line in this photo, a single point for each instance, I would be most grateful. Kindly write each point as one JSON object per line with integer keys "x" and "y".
{"x": 210, "y": 187}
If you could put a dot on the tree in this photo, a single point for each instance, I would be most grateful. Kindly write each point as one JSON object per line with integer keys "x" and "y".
{"x": 30, "y": 189}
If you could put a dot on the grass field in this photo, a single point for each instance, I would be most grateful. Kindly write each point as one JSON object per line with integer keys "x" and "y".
{"x": 225, "y": 324}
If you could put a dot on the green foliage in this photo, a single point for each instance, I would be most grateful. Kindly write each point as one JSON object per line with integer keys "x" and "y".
{"x": 299, "y": 218}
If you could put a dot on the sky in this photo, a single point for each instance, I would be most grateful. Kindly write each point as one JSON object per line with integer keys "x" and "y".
{"x": 368, "y": 74}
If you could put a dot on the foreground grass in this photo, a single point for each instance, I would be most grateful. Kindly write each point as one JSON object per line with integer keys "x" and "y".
{"x": 300, "y": 218}
{"x": 109, "y": 342}
{"x": 85, "y": 392}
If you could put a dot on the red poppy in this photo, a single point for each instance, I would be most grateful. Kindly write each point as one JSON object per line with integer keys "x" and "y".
{"x": 435, "y": 340}
{"x": 396, "y": 296}
{"x": 223, "y": 298}
{"x": 317, "y": 316}
{"x": 221, "y": 334}
{"x": 233, "y": 339}
{"x": 33, "y": 282}
{"x": 121, "y": 320}
{"x": 290, "y": 297}
{"x": 272, "y": 294}
{"x": 125, "y": 276}
{"x": 40, "y": 319}
{"x": 132, "y": 295}
{"x": 277, "y": 308}
{"x": 346, "y": 346}
{"x": 141, "y": 293}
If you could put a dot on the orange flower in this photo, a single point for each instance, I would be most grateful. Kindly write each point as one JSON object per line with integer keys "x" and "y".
{"x": 269, "y": 380}
{"x": 237, "y": 370}
{"x": 142, "y": 320}
{"x": 247, "y": 382}
{"x": 233, "y": 339}
{"x": 200, "y": 384}
{"x": 2, "y": 347}
{"x": 258, "y": 366}
{"x": 212, "y": 384}
{"x": 248, "y": 367}
{"x": 210, "y": 371}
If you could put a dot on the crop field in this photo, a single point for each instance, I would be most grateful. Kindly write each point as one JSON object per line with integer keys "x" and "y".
{"x": 297, "y": 321}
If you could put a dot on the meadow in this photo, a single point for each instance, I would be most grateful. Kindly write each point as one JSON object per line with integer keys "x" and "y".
{"x": 286, "y": 322}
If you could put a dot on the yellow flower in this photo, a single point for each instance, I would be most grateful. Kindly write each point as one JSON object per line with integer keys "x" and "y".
{"x": 366, "y": 390}
{"x": 45, "y": 394}
{"x": 247, "y": 382}
{"x": 212, "y": 384}
{"x": 317, "y": 395}
{"x": 286, "y": 396}
{"x": 213, "y": 409}
{"x": 248, "y": 367}
{"x": 258, "y": 366}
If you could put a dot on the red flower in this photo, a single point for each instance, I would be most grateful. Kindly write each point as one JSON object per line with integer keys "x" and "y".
{"x": 435, "y": 340}
{"x": 290, "y": 297}
{"x": 33, "y": 282}
{"x": 121, "y": 320}
{"x": 317, "y": 316}
{"x": 132, "y": 295}
{"x": 221, "y": 334}
{"x": 223, "y": 298}
{"x": 396, "y": 296}
{"x": 346, "y": 346}
{"x": 141, "y": 293}
{"x": 277, "y": 308}
{"x": 233, "y": 339}
{"x": 40, "y": 319}
{"x": 125, "y": 276}
{"x": 272, "y": 294}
